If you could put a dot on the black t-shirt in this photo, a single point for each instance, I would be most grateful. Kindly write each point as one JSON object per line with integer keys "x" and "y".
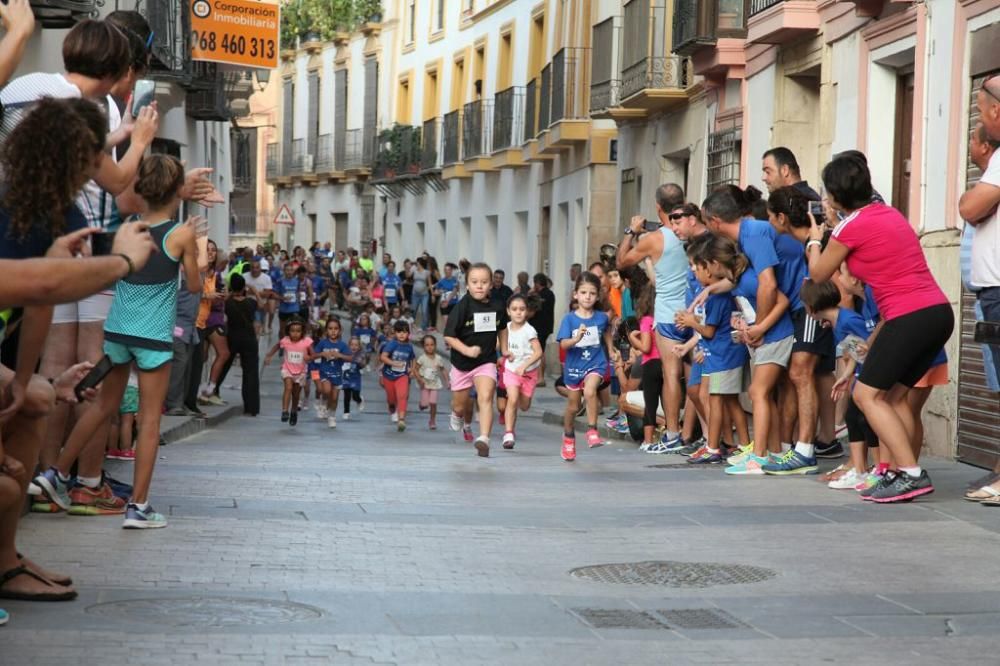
{"x": 544, "y": 319}
{"x": 501, "y": 295}
{"x": 240, "y": 316}
{"x": 462, "y": 324}
{"x": 38, "y": 239}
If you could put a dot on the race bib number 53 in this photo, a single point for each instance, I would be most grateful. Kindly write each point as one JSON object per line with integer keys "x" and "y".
{"x": 485, "y": 322}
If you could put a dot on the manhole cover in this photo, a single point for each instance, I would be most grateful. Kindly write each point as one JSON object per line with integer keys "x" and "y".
{"x": 700, "y": 618}
{"x": 207, "y": 611}
{"x": 673, "y": 574}
{"x": 603, "y": 618}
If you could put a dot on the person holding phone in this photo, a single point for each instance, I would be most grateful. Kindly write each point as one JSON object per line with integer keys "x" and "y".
{"x": 139, "y": 329}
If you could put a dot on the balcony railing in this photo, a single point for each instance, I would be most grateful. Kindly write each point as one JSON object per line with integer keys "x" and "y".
{"x": 758, "y": 6}
{"x": 476, "y": 121}
{"x": 206, "y": 97}
{"x": 245, "y": 222}
{"x": 508, "y": 118}
{"x": 62, "y": 14}
{"x": 356, "y": 155}
{"x": 568, "y": 65}
{"x": 604, "y": 83}
{"x": 298, "y": 153}
{"x": 243, "y": 161}
{"x": 656, "y": 72}
{"x": 452, "y": 129}
{"x": 170, "y": 23}
{"x": 430, "y": 148}
{"x": 273, "y": 160}
{"x": 545, "y": 99}
{"x": 397, "y": 153}
{"x": 644, "y": 65}
{"x": 699, "y": 24}
{"x": 323, "y": 159}
{"x": 530, "y": 109}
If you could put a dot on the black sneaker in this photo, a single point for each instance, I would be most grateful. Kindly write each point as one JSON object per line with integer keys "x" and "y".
{"x": 284, "y": 417}
{"x": 886, "y": 480}
{"x": 832, "y": 450}
{"x": 293, "y": 418}
{"x": 690, "y": 448}
{"x": 904, "y": 488}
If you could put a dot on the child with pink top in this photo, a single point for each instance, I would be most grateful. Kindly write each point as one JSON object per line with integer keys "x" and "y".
{"x": 298, "y": 352}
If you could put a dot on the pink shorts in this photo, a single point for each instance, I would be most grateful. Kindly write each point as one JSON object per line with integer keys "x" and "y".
{"x": 428, "y": 397}
{"x": 461, "y": 381}
{"x": 299, "y": 379}
{"x": 525, "y": 384}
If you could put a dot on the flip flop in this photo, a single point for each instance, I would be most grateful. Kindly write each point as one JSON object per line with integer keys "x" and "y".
{"x": 7, "y": 576}
{"x": 65, "y": 581}
{"x": 982, "y": 494}
{"x": 991, "y": 501}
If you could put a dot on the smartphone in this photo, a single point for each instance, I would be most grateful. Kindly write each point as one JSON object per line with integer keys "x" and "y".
{"x": 816, "y": 208}
{"x": 101, "y": 243}
{"x": 142, "y": 95}
{"x": 650, "y": 225}
{"x": 94, "y": 377}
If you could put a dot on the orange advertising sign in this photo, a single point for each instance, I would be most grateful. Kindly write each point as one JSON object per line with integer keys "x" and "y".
{"x": 235, "y": 32}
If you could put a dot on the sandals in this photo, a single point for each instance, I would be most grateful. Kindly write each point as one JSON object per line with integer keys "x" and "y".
{"x": 64, "y": 581}
{"x": 986, "y": 493}
{"x": 837, "y": 472}
{"x": 991, "y": 501}
{"x": 7, "y": 576}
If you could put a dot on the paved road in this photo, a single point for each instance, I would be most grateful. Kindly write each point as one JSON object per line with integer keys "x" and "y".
{"x": 362, "y": 546}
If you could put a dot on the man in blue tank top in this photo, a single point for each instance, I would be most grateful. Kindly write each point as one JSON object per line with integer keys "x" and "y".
{"x": 666, "y": 254}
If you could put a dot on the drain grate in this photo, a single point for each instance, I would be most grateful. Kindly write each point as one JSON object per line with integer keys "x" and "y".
{"x": 673, "y": 574}
{"x": 604, "y": 618}
{"x": 700, "y": 618}
{"x": 207, "y": 611}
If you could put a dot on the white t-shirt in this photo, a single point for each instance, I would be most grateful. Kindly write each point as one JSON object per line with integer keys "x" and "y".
{"x": 519, "y": 344}
{"x": 429, "y": 368}
{"x": 96, "y": 204}
{"x": 260, "y": 283}
{"x": 986, "y": 239}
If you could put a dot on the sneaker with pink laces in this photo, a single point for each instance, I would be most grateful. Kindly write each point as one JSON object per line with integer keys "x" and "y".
{"x": 467, "y": 433}
{"x": 568, "y": 449}
{"x": 594, "y": 439}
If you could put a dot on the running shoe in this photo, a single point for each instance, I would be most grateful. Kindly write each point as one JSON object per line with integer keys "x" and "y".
{"x": 143, "y": 519}
{"x": 885, "y": 480}
{"x": 331, "y": 421}
{"x": 55, "y": 488}
{"x": 45, "y": 507}
{"x": 212, "y": 400}
{"x": 622, "y": 428}
{"x": 347, "y": 416}
{"x": 508, "y": 440}
{"x": 321, "y": 412}
{"x": 594, "y": 439}
{"x": 284, "y": 417}
{"x": 361, "y": 405}
{"x": 293, "y": 418}
{"x": 394, "y": 417}
{"x": 400, "y": 425}
{"x": 691, "y": 447}
{"x": 483, "y": 447}
{"x": 847, "y": 481}
{"x": 751, "y": 466}
{"x": 867, "y": 481}
{"x": 33, "y": 489}
{"x": 700, "y": 451}
{"x": 656, "y": 447}
{"x": 119, "y": 488}
{"x": 127, "y": 455}
{"x": 568, "y": 449}
{"x": 832, "y": 450}
{"x": 672, "y": 444}
{"x": 707, "y": 457}
{"x": 740, "y": 454}
{"x": 904, "y": 488}
{"x": 4, "y": 617}
{"x": 454, "y": 422}
{"x": 467, "y": 433}
{"x": 432, "y": 425}
{"x": 792, "y": 462}
{"x": 100, "y": 501}
{"x": 645, "y": 446}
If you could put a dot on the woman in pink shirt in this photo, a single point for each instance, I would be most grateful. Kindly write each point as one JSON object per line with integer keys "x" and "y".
{"x": 881, "y": 249}
{"x": 298, "y": 352}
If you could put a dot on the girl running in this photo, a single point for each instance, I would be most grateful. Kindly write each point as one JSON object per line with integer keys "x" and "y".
{"x": 472, "y": 333}
{"x": 430, "y": 375}
{"x": 332, "y": 352}
{"x": 585, "y": 333}
{"x": 520, "y": 346}
{"x": 397, "y": 366}
{"x": 298, "y": 349}
{"x": 364, "y": 332}
{"x": 352, "y": 377}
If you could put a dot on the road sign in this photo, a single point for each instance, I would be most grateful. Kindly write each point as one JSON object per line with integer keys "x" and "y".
{"x": 236, "y": 32}
{"x": 285, "y": 216}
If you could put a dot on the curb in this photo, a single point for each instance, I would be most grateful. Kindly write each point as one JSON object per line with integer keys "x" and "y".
{"x": 556, "y": 418}
{"x": 195, "y": 425}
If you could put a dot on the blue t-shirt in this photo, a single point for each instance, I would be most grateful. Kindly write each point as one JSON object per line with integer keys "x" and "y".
{"x": 392, "y": 287}
{"x": 850, "y": 322}
{"x": 721, "y": 353}
{"x": 588, "y": 355}
{"x": 288, "y": 294}
{"x": 319, "y": 286}
{"x": 792, "y": 269}
{"x": 746, "y": 288}
{"x": 331, "y": 368}
{"x": 448, "y": 286}
{"x": 351, "y": 371}
{"x": 401, "y": 354}
{"x": 758, "y": 241}
{"x": 366, "y": 335}
{"x": 869, "y": 310}
{"x": 694, "y": 287}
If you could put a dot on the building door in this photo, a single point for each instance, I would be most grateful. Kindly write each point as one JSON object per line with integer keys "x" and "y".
{"x": 903, "y": 149}
{"x": 340, "y": 231}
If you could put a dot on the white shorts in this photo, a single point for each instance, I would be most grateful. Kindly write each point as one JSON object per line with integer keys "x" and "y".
{"x": 89, "y": 310}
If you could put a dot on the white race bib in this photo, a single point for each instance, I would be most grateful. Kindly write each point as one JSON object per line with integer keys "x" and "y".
{"x": 377, "y": 302}
{"x": 347, "y": 367}
{"x": 591, "y": 338}
{"x": 365, "y": 339}
{"x": 484, "y": 322}
{"x": 390, "y": 293}
{"x": 398, "y": 367}
{"x": 295, "y": 357}
{"x": 290, "y": 297}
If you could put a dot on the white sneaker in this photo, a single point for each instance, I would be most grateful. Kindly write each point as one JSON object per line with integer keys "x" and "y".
{"x": 645, "y": 446}
{"x": 331, "y": 421}
{"x": 347, "y": 416}
{"x": 847, "y": 481}
{"x": 361, "y": 407}
{"x": 321, "y": 411}
{"x": 394, "y": 417}
{"x": 455, "y": 422}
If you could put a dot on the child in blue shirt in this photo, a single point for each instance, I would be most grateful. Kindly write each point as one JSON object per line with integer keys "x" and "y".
{"x": 331, "y": 352}
{"x": 351, "y": 374}
{"x": 364, "y": 332}
{"x": 397, "y": 365}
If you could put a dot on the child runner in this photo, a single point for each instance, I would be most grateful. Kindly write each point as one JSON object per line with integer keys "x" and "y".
{"x": 397, "y": 366}
{"x": 584, "y": 333}
{"x": 430, "y": 376}
{"x": 332, "y": 352}
{"x": 472, "y": 333}
{"x": 364, "y": 332}
{"x": 520, "y": 346}
{"x": 297, "y": 347}
{"x": 352, "y": 377}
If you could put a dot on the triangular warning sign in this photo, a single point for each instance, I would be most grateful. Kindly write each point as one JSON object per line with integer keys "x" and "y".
{"x": 284, "y": 216}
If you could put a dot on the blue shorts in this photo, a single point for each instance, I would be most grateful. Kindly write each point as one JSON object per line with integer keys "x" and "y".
{"x": 146, "y": 359}
{"x": 334, "y": 379}
{"x": 603, "y": 371}
{"x": 694, "y": 379}
{"x": 671, "y": 332}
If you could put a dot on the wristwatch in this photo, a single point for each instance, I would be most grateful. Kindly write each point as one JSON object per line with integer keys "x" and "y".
{"x": 629, "y": 232}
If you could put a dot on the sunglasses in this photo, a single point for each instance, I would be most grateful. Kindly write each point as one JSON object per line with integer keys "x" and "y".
{"x": 675, "y": 216}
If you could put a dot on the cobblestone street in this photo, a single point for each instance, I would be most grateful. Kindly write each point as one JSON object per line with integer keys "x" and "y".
{"x": 361, "y": 545}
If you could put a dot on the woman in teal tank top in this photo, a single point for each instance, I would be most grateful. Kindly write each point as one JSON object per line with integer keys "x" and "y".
{"x": 139, "y": 329}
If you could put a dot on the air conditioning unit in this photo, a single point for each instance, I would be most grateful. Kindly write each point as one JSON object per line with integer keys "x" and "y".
{"x": 307, "y": 163}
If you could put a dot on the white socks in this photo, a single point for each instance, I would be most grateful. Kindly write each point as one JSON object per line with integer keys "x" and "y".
{"x": 803, "y": 449}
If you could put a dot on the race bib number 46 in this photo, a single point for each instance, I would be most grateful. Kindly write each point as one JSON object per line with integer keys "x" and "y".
{"x": 485, "y": 322}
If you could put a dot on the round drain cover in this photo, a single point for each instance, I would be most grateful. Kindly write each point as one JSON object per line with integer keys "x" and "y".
{"x": 673, "y": 574}
{"x": 207, "y": 611}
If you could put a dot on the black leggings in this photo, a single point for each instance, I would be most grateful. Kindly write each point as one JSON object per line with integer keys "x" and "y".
{"x": 349, "y": 395}
{"x": 652, "y": 387}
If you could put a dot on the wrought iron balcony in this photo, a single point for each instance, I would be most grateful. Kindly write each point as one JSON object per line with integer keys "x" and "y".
{"x": 508, "y": 118}
{"x": 273, "y": 160}
{"x": 452, "y": 143}
{"x": 655, "y": 72}
{"x": 171, "y": 23}
{"x": 757, "y": 6}
{"x": 63, "y": 14}
{"x": 356, "y": 155}
{"x": 530, "y": 109}
{"x": 430, "y": 148}
{"x": 604, "y": 83}
{"x": 323, "y": 159}
{"x": 568, "y": 67}
{"x": 649, "y": 78}
{"x": 476, "y": 137}
{"x": 545, "y": 99}
{"x": 298, "y": 153}
{"x": 244, "y": 222}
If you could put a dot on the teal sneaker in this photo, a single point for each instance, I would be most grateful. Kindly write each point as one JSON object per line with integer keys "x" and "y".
{"x": 751, "y": 466}
{"x": 740, "y": 454}
{"x": 143, "y": 519}
{"x": 792, "y": 462}
{"x": 4, "y": 617}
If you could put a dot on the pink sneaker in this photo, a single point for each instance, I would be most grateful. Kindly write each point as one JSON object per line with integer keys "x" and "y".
{"x": 432, "y": 425}
{"x": 128, "y": 455}
{"x": 594, "y": 439}
{"x": 467, "y": 433}
{"x": 568, "y": 449}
